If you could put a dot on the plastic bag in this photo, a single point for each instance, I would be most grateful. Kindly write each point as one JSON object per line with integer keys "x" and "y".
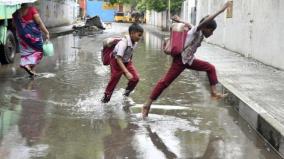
{"x": 48, "y": 49}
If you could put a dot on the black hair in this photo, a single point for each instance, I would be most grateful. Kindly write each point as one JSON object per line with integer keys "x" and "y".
{"x": 25, "y": 5}
{"x": 135, "y": 28}
{"x": 210, "y": 25}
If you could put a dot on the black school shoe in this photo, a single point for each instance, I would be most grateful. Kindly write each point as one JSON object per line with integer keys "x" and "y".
{"x": 106, "y": 98}
{"x": 127, "y": 93}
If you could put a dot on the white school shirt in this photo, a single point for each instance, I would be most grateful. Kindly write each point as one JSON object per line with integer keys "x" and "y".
{"x": 193, "y": 40}
{"x": 124, "y": 49}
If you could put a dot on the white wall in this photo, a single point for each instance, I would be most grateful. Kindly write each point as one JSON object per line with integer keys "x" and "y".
{"x": 187, "y": 9}
{"x": 158, "y": 19}
{"x": 55, "y": 13}
{"x": 254, "y": 31}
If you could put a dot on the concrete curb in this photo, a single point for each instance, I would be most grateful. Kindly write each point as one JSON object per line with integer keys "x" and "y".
{"x": 53, "y": 33}
{"x": 263, "y": 123}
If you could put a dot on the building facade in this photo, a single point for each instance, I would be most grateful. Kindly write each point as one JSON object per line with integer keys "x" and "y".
{"x": 253, "y": 31}
{"x": 58, "y": 12}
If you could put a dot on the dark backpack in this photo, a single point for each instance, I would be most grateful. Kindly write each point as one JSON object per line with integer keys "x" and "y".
{"x": 108, "y": 47}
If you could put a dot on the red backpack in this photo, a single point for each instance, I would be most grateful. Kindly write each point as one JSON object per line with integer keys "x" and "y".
{"x": 108, "y": 46}
{"x": 175, "y": 44}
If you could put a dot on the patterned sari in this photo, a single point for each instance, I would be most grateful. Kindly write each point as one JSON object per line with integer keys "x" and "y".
{"x": 30, "y": 40}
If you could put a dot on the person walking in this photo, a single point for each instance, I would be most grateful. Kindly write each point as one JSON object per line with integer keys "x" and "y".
{"x": 29, "y": 28}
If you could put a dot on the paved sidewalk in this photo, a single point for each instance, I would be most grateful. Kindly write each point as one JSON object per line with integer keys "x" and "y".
{"x": 62, "y": 30}
{"x": 256, "y": 90}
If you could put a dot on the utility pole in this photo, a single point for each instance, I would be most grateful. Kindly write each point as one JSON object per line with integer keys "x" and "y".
{"x": 169, "y": 9}
{"x": 169, "y": 14}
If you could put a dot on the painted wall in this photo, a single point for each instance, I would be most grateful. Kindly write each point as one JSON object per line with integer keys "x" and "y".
{"x": 158, "y": 19}
{"x": 58, "y": 12}
{"x": 254, "y": 31}
{"x": 188, "y": 11}
{"x": 96, "y": 8}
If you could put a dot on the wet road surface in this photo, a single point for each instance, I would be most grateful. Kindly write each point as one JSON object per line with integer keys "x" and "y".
{"x": 59, "y": 115}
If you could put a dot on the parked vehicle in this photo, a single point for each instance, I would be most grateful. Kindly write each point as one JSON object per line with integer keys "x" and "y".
{"x": 8, "y": 43}
{"x": 122, "y": 17}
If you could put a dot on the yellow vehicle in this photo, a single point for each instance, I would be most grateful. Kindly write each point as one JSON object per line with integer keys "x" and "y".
{"x": 127, "y": 19}
{"x": 121, "y": 17}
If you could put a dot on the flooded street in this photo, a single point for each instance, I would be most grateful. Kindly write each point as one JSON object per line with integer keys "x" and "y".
{"x": 59, "y": 114}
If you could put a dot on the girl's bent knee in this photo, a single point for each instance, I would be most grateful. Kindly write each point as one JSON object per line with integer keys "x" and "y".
{"x": 213, "y": 67}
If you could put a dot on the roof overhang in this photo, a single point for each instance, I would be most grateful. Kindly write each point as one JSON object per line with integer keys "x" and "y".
{"x": 13, "y": 2}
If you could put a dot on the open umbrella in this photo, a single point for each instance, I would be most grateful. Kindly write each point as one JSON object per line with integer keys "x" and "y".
{"x": 13, "y": 2}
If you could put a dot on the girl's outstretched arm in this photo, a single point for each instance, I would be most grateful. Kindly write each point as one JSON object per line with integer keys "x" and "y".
{"x": 177, "y": 19}
{"x": 211, "y": 17}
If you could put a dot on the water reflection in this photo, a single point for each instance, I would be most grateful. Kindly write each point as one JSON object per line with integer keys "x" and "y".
{"x": 152, "y": 42}
{"x": 66, "y": 48}
{"x": 23, "y": 124}
{"x": 160, "y": 145}
{"x": 32, "y": 117}
{"x": 119, "y": 144}
{"x": 162, "y": 135}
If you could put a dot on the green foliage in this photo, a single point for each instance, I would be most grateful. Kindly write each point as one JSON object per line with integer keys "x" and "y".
{"x": 142, "y": 5}
{"x": 123, "y": 1}
{"x": 156, "y": 5}
{"x": 162, "y": 5}
{"x": 113, "y": 1}
{"x": 176, "y": 5}
{"x": 132, "y": 3}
